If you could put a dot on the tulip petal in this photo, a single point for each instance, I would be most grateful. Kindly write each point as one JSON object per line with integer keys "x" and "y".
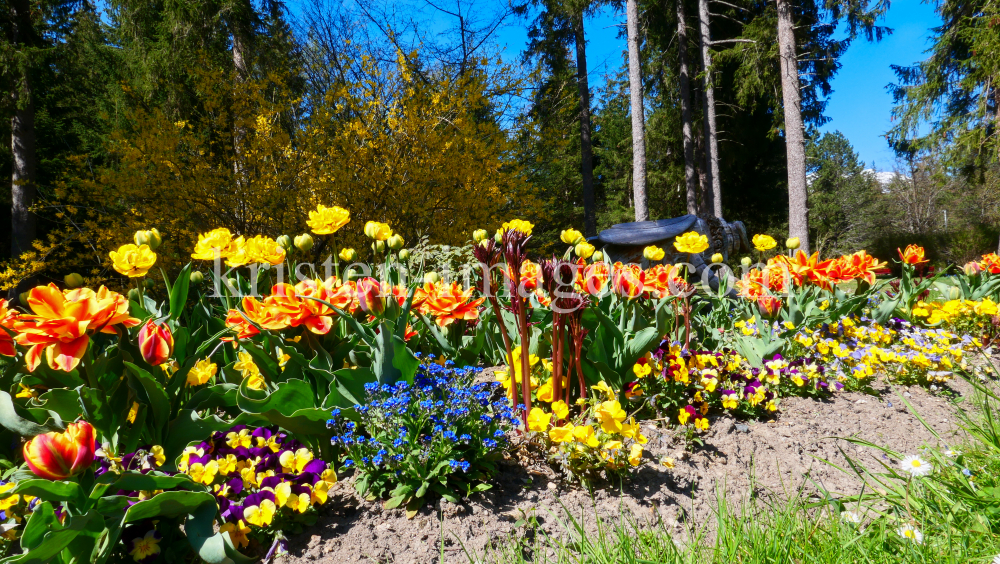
{"x": 66, "y": 356}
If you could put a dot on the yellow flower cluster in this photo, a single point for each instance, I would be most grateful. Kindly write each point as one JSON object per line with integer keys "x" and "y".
{"x": 955, "y": 311}
{"x": 601, "y": 437}
{"x": 238, "y": 251}
{"x": 860, "y": 350}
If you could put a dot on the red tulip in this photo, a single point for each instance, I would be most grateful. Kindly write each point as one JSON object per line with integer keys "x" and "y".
{"x": 370, "y": 298}
{"x": 769, "y": 305}
{"x": 57, "y": 456}
{"x": 155, "y": 343}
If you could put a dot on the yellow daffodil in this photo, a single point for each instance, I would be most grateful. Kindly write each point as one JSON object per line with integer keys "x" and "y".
{"x": 133, "y": 261}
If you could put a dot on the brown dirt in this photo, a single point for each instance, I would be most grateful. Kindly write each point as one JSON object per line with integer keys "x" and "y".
{"x": 781, "y": 455}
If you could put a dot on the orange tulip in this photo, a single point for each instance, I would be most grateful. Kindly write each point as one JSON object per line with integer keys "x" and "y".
{"x": 769, "y": 305}
{"x": 595, "y": 278}
{"x": 63, "y": 322}
{"x": 807, "y": 268}
{"x": 369, "y": 295}
{"x": 156, "y": 343}
{"x": 448, "y": 304}
{"x": 57, "y": 456}
{"x": 913, "y": 255}
{"x": 991, "y": 263}
{"x": 7, "y": 318}
{"x": 628, "y": 280}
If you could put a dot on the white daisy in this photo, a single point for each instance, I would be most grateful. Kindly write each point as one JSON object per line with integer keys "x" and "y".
{"x": 952, "y": 453}
{"x": 851, "y": 517}
{"x": 916, "y": 466}
{"x": 911, "y": 533}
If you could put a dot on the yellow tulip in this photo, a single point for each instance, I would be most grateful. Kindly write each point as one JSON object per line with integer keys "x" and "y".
{"x": 348, "y": 255}
{"x": 717, "y": 258}
{"x": 792, "y": 243}
{"x": 653, "y": 253}
{"x": 691, "y": 242}
{"x": 584, "y": 250}
{"x": 516, "y": 225}
{"x": 133, "y": 261}
{"x": 570, "y": 236}
{"x": 763, "y": 242}
{"x": 264, "y": 250}
{"x": 378, "y": 231}
{"x": 325, "y": 221}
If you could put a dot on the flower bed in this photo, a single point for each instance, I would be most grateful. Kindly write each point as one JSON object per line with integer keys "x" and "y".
{"x": 248, "y": 402}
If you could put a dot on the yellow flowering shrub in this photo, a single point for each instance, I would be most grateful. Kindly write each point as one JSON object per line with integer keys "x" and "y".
{"x": 425, "y": 155}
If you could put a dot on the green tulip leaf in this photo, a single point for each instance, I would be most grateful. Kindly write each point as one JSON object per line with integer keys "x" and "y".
{"x": 150, "y": 392}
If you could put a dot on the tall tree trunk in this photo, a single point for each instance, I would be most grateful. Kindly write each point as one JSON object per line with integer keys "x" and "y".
{"x": 586, "y": 150}
{"x": 22, "y": 138}
{"x": 795, "y": 144}
{"x": 711, "y": 142}
{"x": 690, "y": 177}
{"x": 239, "y": 131}
{"x": 22, "y": 189}
{"x": 638, "y": 113}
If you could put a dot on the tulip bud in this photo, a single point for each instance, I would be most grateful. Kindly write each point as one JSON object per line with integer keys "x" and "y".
{"x": 154, "y": 239}
{"x": 156, "y": 343}
{"x": 303, "y": 242}
{"x": 498, "y": 237}
{"x": 285, "y": 242}
{"x": 717, "y": 258}
{"x": 22, "y": 298}
{"x": 584, "y": 250}
{"x": 598, "y": 256}
{"x": 233, "y": 283}
{"x": 404, "y": 254}
{"x": 570, "y": 236}
{"x": 395, "y": 242}
{"x": 792, "y": 243}
{"x": 745, "y": 261}
{"x": 479, "y": 235}
{"x": 348, "y": 255}
{"x": 133, "y": 295}
{"x": 197, "y": 277}
{"x": 653, "y": 253}
{"x": 369, "y": 296}
{"x": 432, "y": 278}
{"x": 57, "y": 456}
{"x": 149, "y": 283}
{"x": 378, "y": 246}
{"x": 972, "y": 268}
{"x": 73, "y": 280}
{"x": 141, "y": 238}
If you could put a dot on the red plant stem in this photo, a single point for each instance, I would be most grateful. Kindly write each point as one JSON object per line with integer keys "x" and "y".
{"x": 556, "y": 356}
{"x": 687, "y": 322}
{"x": 522, "y": 315}
{"x": 569, "y": 370}
{"x": 506, "y": 343}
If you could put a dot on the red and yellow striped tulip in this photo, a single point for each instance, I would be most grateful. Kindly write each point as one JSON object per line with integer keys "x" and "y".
{"x": 57, "y": 456}
{"x": 156, "y": 343}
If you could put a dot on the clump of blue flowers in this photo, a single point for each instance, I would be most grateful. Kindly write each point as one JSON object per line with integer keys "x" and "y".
{"x": 439, "y": 436}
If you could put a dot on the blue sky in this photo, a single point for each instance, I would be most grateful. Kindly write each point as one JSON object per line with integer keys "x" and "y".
{"x": 859, "y": 106}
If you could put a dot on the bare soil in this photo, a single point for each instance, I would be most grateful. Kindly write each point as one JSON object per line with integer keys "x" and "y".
{"x": 778, "y": 456}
